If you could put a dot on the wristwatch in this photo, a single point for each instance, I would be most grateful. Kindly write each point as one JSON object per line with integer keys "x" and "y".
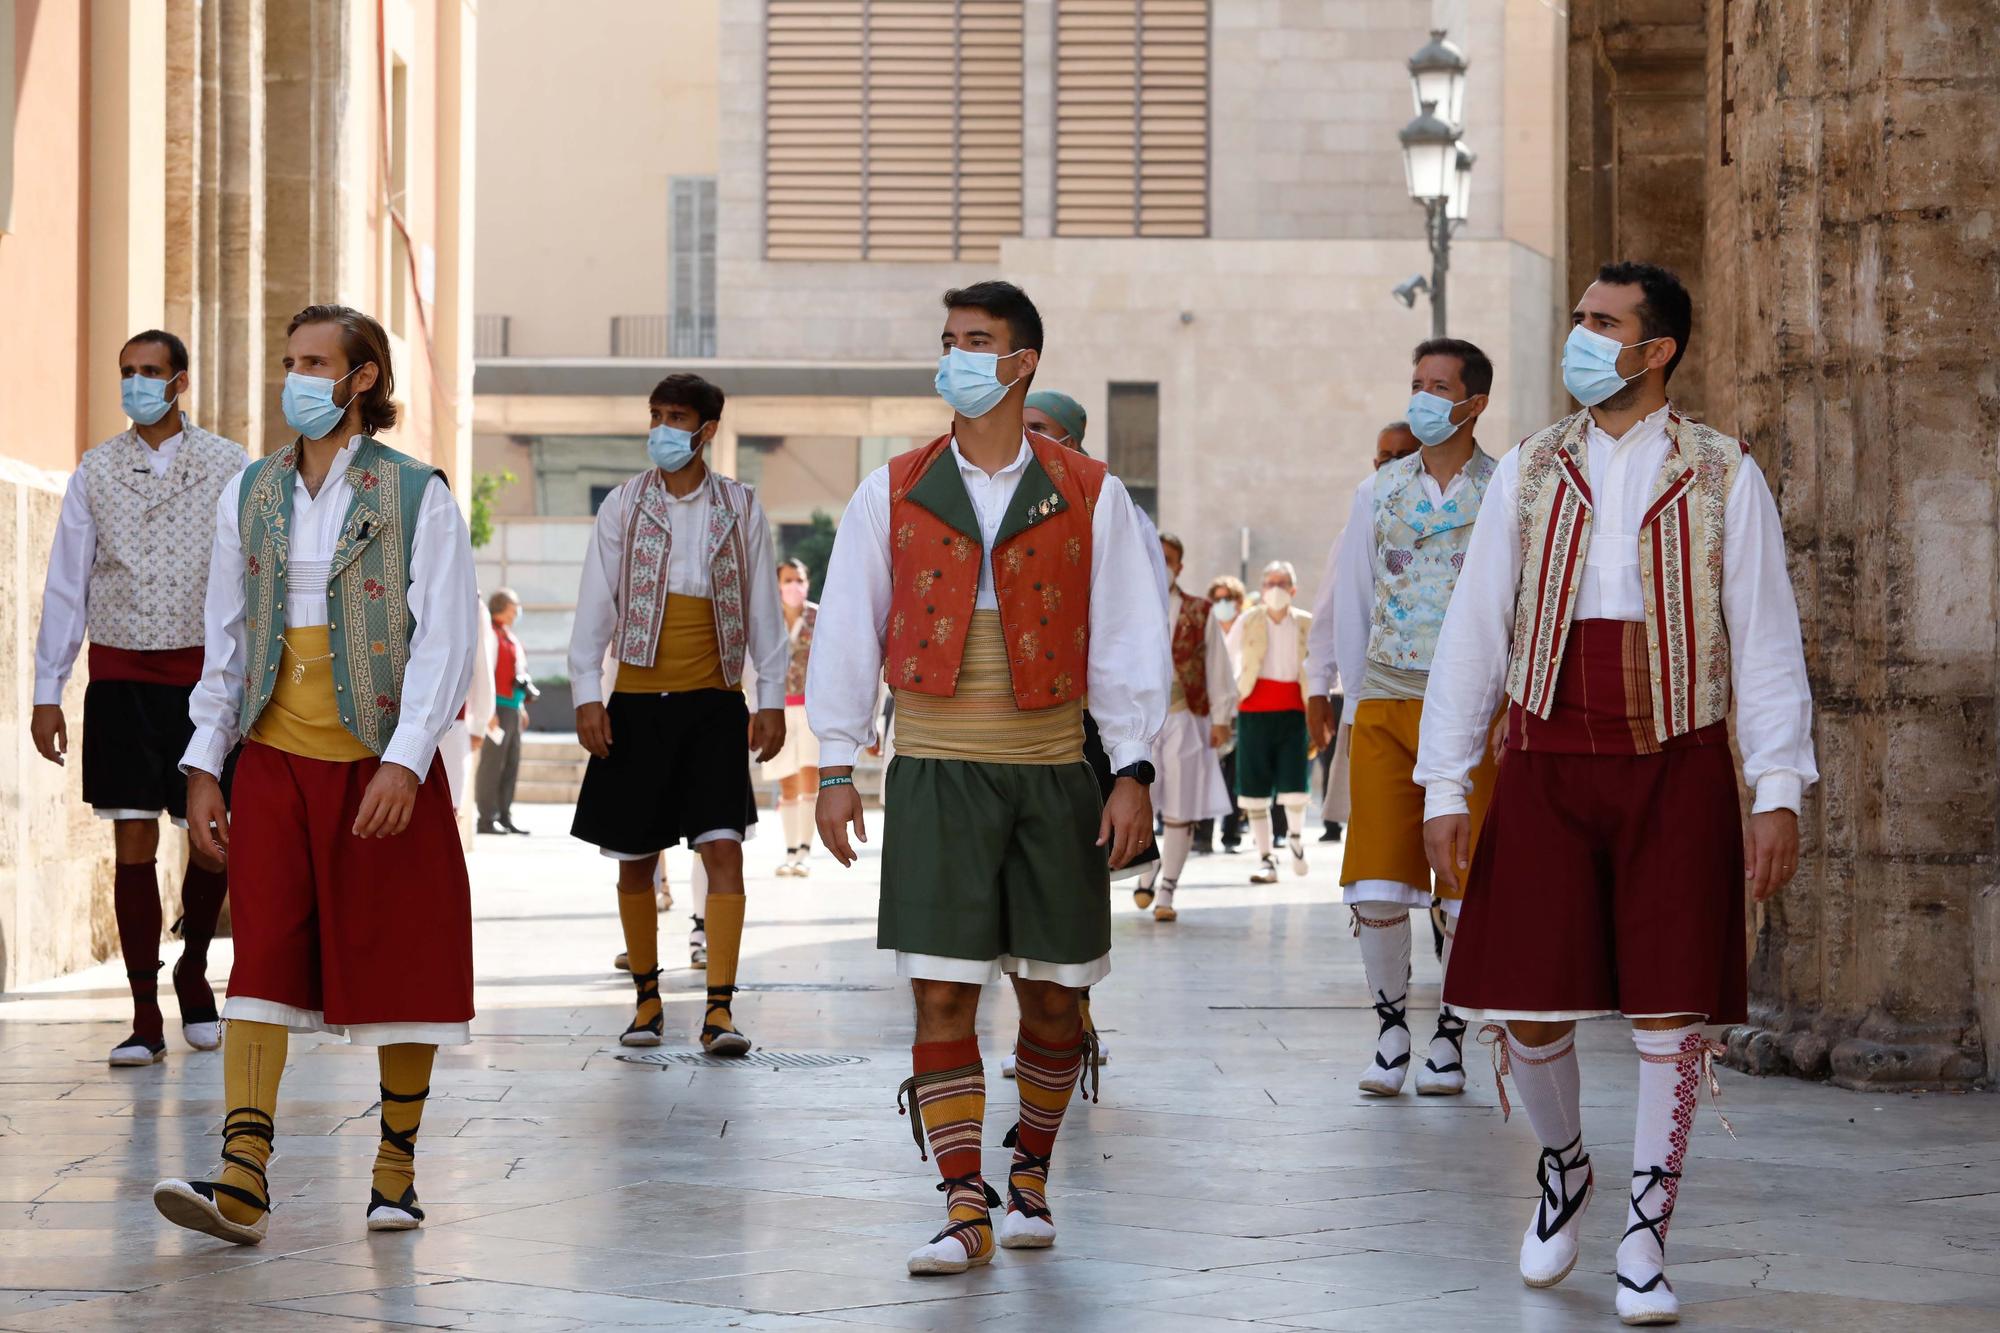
{"x": 1141, "y": 773}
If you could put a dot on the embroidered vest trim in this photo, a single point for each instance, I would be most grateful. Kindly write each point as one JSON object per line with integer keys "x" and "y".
{"x": 1681, "y": 540}
{"x": 1041, "y": 572}
{"x": 1190, "y": 646}
{"x": 367, "y": 587}
{"x": 1419, "y": 552}
{"x": 795, "y": 671}
{"x": 649, "y": 545}
{"x": 149, "y": 574}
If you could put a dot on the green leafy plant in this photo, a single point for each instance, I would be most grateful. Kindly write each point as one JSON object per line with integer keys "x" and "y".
{"x": 485, "y": 487}
{"x": 816, "y": 548}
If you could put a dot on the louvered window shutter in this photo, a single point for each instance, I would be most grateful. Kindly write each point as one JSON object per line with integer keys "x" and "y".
{"x": 892, "y": 128}
{"x": 1132, "y": 117}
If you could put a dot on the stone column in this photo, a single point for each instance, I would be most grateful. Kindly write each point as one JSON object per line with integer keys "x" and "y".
{"x": 181, "y": 214}
{"x": 1856, "y": 275}
{"x": 231, "y": 216}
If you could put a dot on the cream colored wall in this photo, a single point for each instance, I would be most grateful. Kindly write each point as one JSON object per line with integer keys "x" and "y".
{"x": 1272, "y": 393}
{"x": 582, "y": 122}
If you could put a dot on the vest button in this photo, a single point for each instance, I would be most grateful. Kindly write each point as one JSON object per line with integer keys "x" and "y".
{"x": 917, "y": 680}
{"x": 1038, "y": 587}
{"x": 339, "y": 687}
{"x": 1045, "y": 620}
{"x": 1031, "y": 550}
{"x": 944, "y": 541}
{"x": 923, "y": 643}
{"x": 937, "y": 573}
{"x": 1050, "y": 654}
{"x": 930, "y": 610}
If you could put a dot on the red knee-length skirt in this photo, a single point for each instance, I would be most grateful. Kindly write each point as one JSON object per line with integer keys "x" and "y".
{"x": 353, "y": 932}
{"x": 1606, "y": 879}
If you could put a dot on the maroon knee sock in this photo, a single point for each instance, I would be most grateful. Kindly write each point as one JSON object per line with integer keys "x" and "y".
{"x": 202, "y": 892}
{"x": 136, "y": 898}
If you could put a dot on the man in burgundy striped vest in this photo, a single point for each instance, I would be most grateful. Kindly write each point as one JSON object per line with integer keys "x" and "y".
{"x": 1626, "y": 579}
{"x": 128, "y": 571}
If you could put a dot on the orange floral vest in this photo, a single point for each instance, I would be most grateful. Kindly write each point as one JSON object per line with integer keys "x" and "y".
{"x": 1191, "y": 652}
{"x": 1041, "y": 572}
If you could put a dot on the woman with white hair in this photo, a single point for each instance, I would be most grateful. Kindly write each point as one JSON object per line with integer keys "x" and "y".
{"x": 1269, "y": 645}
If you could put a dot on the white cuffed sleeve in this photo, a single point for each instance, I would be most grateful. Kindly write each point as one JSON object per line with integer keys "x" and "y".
{"x": 844, "y": 673}
{"x": 216, "y": 706}
{"x": 1131, "y": 655}
{"x": 1767, "y": 655}
{"x": 1354, "y": 600}
{"x": 444, "y": 601}
{"x": 65, "y": 593}
{"x": 597, "y": 601}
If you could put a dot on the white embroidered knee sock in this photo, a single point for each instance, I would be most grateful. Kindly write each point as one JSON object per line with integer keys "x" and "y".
{"x": 1260, "y": 827}
{"x": 1669, "y": 1080}
{"x": 795, "y": 815}
{"x": 1295, "y": 815}
{"x": 1443, "y": 1052}
{"x": 1384, "y": 932}
{"x": 1174, "y": 845}
{"x": 1548, "y": 1083}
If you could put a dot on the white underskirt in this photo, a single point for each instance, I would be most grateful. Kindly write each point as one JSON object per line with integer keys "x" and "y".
{"x": 713, "y": 835}
{"x": 981, "y": 972}
{"x": 107, "y": 812}
{"x": 1188, "y": 785}
{"x": 358, "y": 1034}
{"x": 1393, "y": 891}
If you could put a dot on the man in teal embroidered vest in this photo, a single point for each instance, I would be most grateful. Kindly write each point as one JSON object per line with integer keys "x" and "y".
{"x": 341, "y": 629}
{"x": 1398, "y": 562}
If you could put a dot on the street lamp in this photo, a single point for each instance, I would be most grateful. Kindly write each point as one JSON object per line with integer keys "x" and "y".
{"x": 1437, "y": 167}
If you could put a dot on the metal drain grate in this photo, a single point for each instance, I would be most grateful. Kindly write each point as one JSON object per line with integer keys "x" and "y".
{"x": 754, "y": 1060}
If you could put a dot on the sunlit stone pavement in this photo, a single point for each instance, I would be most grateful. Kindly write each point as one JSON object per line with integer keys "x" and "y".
{"x": 1231, "y": 1177}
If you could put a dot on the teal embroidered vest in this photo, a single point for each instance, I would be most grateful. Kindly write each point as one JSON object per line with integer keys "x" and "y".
{"x": 367, "y": 585}
{"x": 1419, "y": 549}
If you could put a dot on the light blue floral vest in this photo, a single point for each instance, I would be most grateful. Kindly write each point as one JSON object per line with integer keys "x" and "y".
{"x": 367, "y": 586}
{"x": 1419, "y": 549}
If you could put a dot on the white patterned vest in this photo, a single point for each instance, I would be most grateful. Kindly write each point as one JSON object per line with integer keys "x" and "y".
{"x": 1419, "y": 551}
{"x": 1680, "y": 561}
{"x": 642, "y": 576}
{"x": 154, "y": 534}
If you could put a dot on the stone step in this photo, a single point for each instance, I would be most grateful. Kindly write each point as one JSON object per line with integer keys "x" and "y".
{"x": 545, "y": 793}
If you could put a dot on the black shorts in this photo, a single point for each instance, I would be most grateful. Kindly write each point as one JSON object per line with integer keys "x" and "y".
{"x": 679, "y": 767}
{"x": 134, "y": 734}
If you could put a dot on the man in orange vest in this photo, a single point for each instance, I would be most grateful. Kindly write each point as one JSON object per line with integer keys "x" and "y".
{"x": 989, "y": 575}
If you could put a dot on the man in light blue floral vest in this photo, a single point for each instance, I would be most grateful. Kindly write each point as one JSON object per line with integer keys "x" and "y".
{"x": 1397, "y": 565}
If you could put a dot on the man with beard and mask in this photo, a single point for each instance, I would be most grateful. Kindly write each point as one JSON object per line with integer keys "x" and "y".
{"x": 680, "y": 585}
{"x": 1272, "y": 748}
{"x": 341, "y": 624}
{"x": 128, "y": 571}
{"x": 1398, "y": 561}
{"x": 1626, "y": 582}
{"x": 996, "y": 576}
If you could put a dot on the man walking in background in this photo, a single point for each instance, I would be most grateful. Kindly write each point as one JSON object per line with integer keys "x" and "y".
{"x": 128, "y": 572}
{"x": 1270, "y": 647}
{"x": 500, "y": 758}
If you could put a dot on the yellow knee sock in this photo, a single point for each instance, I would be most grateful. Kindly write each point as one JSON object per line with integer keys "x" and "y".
{"x": 641, "y": 920}
{"x": 725, "y": 941}
{"x": 253, "y": 1060}
{"x": 406, "y": 1082}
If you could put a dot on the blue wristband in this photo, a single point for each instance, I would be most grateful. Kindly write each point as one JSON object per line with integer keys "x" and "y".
{"x": 842, "y": 781}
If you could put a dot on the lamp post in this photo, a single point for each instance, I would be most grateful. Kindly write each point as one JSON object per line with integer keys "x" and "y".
{"x": 1437, "y": 167}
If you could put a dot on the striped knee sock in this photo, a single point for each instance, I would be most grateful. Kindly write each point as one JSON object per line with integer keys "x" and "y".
{"x": 948, "y": 1086}
{"x": 1047, "y": 1076}
{"x": 406, "y": 1083}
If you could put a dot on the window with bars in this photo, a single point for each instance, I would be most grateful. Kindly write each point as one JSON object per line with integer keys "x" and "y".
{"x": 1132, "y": 117}
{"x": 892, "y": 128}
{"x": 691, "y": 268}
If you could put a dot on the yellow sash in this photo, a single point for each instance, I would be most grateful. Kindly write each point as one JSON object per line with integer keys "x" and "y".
{"x": 688, "y": 657}
{"x": 303, "y": 717}
{"x": 980, "y": 722}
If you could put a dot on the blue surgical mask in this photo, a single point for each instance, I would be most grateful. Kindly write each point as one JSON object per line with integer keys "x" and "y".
{"x": 970, "y": 381}
{"x": 309, "y": 406}
{"x": 1225, "y": 609}
{"x": 1590, "y": 365}
{"x": 1430, "y": 418}
{"x": 145, "y": 400}
{"x": 670, "y": 447}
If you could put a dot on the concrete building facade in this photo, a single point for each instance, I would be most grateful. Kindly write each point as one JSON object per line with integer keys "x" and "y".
{"x": 209, "y": 167}
{"x": 1205, "y": 199}
{"x": 1825, "y": 177}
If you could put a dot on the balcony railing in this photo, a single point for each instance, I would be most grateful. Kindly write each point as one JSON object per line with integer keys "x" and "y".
{"x": 490, "y": 334}
{"x": 639, "y": 336}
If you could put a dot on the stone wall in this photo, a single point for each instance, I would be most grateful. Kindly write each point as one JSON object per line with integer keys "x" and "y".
{"x": 1845, "y": 200}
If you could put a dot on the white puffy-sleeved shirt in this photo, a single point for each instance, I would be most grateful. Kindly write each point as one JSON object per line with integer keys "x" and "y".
{"x": 66, "y": 592}
{"x": 1767, "y": 656}
{"x": 769, "y": 642}
{"x": 1131, "y": 661}
{"x": 444, "y": 606}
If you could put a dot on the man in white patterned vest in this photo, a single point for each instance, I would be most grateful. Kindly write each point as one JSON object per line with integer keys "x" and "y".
{"x": 680, "y": 586}
{"x": 342, "y": 622}
{"x": 1625, "y": 581}
{"x": 1398, "y": 562}
{"x": 127, "y": 571}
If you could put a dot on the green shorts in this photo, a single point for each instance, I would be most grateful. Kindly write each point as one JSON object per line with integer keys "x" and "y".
{"x": 985, "y": 861}
{"x": 1271, "y": 754}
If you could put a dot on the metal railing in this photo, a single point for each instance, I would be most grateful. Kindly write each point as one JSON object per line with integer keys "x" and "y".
{"x": 639, "y": 336}
{"x": 491, "y": 335}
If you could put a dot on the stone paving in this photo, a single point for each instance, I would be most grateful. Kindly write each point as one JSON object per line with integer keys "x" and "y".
{"x": 1230, "y": 1178}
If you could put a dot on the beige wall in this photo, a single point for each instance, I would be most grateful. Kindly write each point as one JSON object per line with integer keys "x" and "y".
{"x": 582, "y": 123}
{"x": 1271, "y": 394}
